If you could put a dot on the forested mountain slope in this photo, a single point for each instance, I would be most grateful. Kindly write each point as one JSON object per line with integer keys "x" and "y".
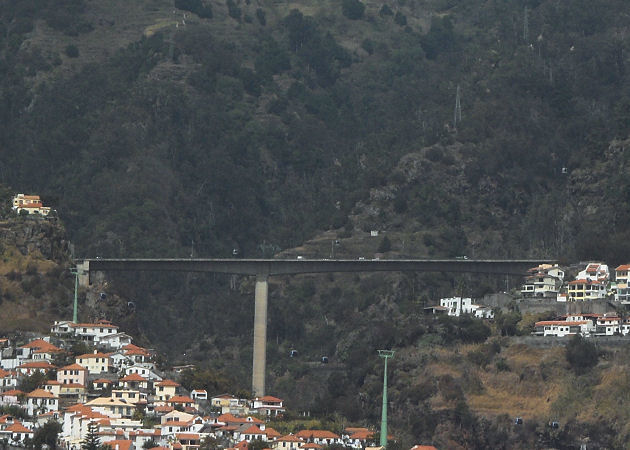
{"x": 196, "y": 127}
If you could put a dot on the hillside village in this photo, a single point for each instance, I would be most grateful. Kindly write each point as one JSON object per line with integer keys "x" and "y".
{"x": 116, "y": 393}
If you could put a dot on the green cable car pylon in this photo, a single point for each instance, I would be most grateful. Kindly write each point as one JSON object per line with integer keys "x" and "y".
{"x": 385, "y": 354}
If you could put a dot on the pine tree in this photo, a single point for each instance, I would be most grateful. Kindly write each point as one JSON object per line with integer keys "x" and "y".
{"x": 91, "y": 441}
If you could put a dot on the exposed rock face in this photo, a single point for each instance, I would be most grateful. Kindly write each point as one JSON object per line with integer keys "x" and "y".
{"x": 31, "y": 235}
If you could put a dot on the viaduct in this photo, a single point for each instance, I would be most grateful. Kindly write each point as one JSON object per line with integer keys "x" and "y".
{"x": 262, "y": 269}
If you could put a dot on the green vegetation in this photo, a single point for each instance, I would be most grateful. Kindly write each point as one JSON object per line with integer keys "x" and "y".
{"x": 261, "y": 126}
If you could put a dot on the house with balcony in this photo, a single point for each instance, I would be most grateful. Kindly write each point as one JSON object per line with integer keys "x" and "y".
{"x": 30, "y": 204}
{"x": 583, "y": 289}
{"x": 543, "y": 281}
{"x": 594, "y": 271}
{"x": 267, "y": 406}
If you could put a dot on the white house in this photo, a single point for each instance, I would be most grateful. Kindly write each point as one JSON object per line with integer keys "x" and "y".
{"x": 41, "y": 401}
{"x": 32, "y": 204}
{"x": 594, "y": 271}
{"x": 199, "y": 394}
{"x": 544, "y": 280}
{"x": 457, "y": 306}
{"x": 90, "y": 332}
{"x": 267, "y": 405}
{"x": 562, "y": 328}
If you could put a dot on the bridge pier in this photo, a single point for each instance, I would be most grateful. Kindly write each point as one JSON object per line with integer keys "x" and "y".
{"x": 83, "y": 270}
{"x": 260, "y": 335}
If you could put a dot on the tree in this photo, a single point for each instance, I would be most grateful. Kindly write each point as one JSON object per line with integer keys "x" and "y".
{"x": 47, "y": 435}
{"x": 385, "y": 245}
{"x": 91, "y": 441}
{"x": 581, "y": 354}
{"x": 32, "y": 382}
{"x": 352, "y": 9}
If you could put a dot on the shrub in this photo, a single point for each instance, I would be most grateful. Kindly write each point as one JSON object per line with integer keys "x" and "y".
{"x": 581, "y": 354}
{"x": 386, "y": 11}
{"x": 233, "y": 10}
{"x": 352, "y": 9}
{"x": 400, "y": 19}
{"x": 72, "y": 51}
{"x": 195, "y": 6}
{"x": 260, "y": 15}
{"x": 385, "y": 245}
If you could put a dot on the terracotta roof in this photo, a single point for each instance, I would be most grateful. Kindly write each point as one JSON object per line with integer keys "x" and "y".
{"x": 180, "y": 399}
{"x": 121, "y": 443}
{"x": 269, "y": 398}
{"x": 188, "y": 436}
{"x": 103, "y": 380}
{"x": 316, "y": 434}
{"x": 133, "y": 377}
{"x": 105, "y": 324}
{"x": 74, "y": 366}
{"x": 585, "y": 282}
{"x": 271, "y": 433}
{"x": 423, "y": 447}
{"x": 623, "y": 267}
{"x": 72, "y": 385}
{"x": 53, "y": 383}
{"x": 11, "y": 393}
{"x": 17, "y": 427}
{"x": 362, "y": 434}
{"x": 312, "y": 445}
{"x": 93, "y": 355}
{"x": 290, "y": 438}
{"x": 253, "y": 430}
{"x": 36, "y": 365}
{"x": 40, "y": 393}
{"x": 561, "y": 322}
{"x": 164, "y": 408}
{"x": 165, "y": 383}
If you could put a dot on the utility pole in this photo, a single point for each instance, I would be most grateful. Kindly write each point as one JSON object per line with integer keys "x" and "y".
{"x": 385, "y": 354}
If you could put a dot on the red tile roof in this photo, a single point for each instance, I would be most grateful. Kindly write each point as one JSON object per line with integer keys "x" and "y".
{"x": 17, "y": 427}
{"x": 74, "y": 366}
{"x": 40, "y": 393}
{"x": 133, "y": 377}
{"x": 165, "y": 383}
{"x": 269, "y": 398}
{"x": 121, "y": 443}
{"x": 36, "y": 365}
{"x": 316, "y": 434}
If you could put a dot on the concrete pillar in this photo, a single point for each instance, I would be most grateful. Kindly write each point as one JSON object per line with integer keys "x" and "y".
{"x": 83, "y": 268}
{"x": 260, "y": 336}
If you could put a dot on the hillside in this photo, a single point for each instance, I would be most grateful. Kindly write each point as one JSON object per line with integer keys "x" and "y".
{"x": 198, "y": 127}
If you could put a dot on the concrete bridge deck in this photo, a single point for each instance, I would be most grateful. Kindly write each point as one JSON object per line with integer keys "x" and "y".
{"x": 271, "y": 267}
{"x": 262, "y": 269}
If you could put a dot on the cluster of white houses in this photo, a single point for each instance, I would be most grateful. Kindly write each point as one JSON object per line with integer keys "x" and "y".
{"x": 457, "y": 306}
{"x": 592, "y": 283}
{"x": 583, "y": 324}
{"x": 111, "y": 388}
